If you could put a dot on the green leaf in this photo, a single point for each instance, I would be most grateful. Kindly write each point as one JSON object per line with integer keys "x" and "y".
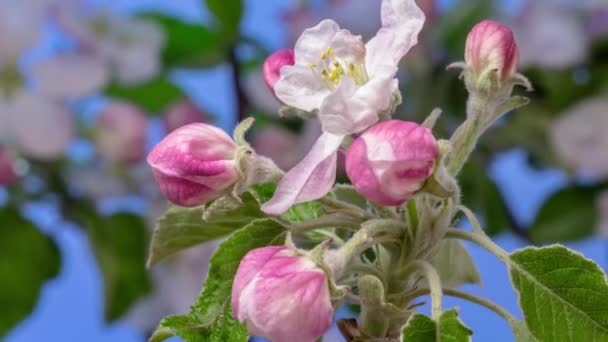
{"x": 348, "y": 194}
{"x": 119, "y": 243}
{"x": 188, "y": 44}
{"x": 28, "y": 259}
{"x": 224, "y": 328}
{"x": 567, "y": 215}
{"x": 228, "y": 13}
{"x": 153, "y": 96}
{"x": 181, "y": 228}
{"x": 421, "y": 328}
{"x": 521, "y": 332}
{"x": 564, "y": 297}
{"x": 217, "y": 290}
{"x": 304, "y": 211}
{"x": 455, "y": 265}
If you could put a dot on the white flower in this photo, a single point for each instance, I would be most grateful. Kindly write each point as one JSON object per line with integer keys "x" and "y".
{"x": 348, "y": 83}
{"x": 129, "y": 48}
{"x": 550, "y": 36}
{"x": 21, "y": 27}
{"x": 580, "y": 137}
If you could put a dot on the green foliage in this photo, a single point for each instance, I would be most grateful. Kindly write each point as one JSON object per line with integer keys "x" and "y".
{"x": 210, "y": 315}
{"x": 27, "y": 260}
{"x": 521, "y": 331}
{"x": 348, "y": 194}
{"x": 455, "y": 265}
{"x": 153, "y": 96}
{"x": 181, "y": 228}
{"x": 228, "y": 13}
{"x": 421, "y": 328}
{"x": 569, "y": 214}
{"x": 564, "y": 297}
{"x": 119, "y": 243}
{"x": 188, "y": 45}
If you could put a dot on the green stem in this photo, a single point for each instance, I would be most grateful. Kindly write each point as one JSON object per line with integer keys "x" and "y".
{"x": 472, "y": 219}
{"x": 335, "y": 221}
{"x": 340, "y": 205}
{"x": 434, "y": 281}
{"x": 480, "y": 240}
{"x": 471, "y": 298}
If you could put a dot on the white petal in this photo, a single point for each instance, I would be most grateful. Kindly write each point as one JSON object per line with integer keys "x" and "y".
{"x": 300, "y": 88}
{"x": 137, "y": 64}
{"x": 311, "y": 179}
{"x": 402, "y": 21}
{"x": 348, "y": 47}
{"x": 43, "y": 128}
{"x": 21, "y": 24}
{"x": 71, "y": 75}
{"x": 314, "y": 41}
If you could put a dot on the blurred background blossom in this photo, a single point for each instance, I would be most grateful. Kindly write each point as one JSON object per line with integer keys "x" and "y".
{"x": 88, "y": 86}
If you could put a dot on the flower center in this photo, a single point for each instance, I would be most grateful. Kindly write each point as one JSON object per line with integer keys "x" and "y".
{"x": 330, "y": 70}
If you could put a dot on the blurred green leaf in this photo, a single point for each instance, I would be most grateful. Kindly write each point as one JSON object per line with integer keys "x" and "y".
{"x": 181, "y": 228}
{"x": 119, "y": 243}
{"x": 27, "y": 260}
{"x": 482, "y": 195}
{"x": 153, "y": 96}
{"x": 567, "y": 215}
{"x": 188, "y": 45}
{"x": 228, "y": 14}
{"x": 209, "y": 319}
{"x": 455, "y": 265}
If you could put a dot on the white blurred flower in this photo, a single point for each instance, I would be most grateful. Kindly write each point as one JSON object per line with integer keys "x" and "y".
{"x": 580, "y": 137}
{"x": 21, "y": 27}
{"x": 550, "y": 36}
{"x": 128, "y": 47}
{"x": 258, "y": 93}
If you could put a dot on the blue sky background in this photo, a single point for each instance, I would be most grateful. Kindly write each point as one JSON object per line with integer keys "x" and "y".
{"x": 70, "y": 306}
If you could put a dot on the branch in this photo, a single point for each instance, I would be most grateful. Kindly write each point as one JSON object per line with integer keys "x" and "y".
{"x": 241, "y": 97}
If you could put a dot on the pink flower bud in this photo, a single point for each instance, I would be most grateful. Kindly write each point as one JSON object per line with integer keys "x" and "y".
{"x": 273, "y": 65}
{"x": 491, "y": 46}
{"x": 181, "y": 113}
{"x": 194, "y": 164}
{"x": 281, "y": 296}
{"x": 7, "y": 167}
{"x": 391, "y": 161}
{"x": 122, "y": 133}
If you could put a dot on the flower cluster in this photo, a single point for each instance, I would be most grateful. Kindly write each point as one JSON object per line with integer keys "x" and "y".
{"x": 404, "y": 174}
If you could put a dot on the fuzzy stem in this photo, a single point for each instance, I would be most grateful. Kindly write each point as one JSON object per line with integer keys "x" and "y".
{"x": 434, "y": 281}
{"x": 335, "y": 221}
{"x": 480, "y": 240}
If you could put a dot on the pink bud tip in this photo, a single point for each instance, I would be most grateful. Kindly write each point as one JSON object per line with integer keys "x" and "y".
{"x": 273, "y": 65}
{"x": 281, "y": 296}
{"x": 491, "y": 46}
{"x": 7, "y": 167}
{"x": 182, "y": 113}
{"x": 122, "y": 132}
{"x": 194, "y": 164}
{"x": 391, "y": 161}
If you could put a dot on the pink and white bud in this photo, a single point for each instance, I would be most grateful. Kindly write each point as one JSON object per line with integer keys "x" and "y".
{"x": 391, "y": 161}
{"x": 7, "y": 167}
{"x": 282, "y": 296}
{"x": 491, "y": 46}
{"x": 122, "y": 133}
{"x": 274, "y": 63}
{"x": 194, "y": 164}
{"x": 182, "y": 113}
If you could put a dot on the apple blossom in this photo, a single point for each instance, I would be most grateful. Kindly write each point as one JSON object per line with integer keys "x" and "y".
{"x": 580, "y": 135}
{"x": 282, "y": 296}
{"x": 181, "y": 113}
{"x": 194, "y": 164}
{"x": 391, "y": 161}
{"x": 7, "y": 167}
{"x": 491, "y": 46}
{"x": 550, "y": 35}
{"x": 122, "y": 133}
{"x": 128, "y": 48}
{"x": 274, "y": 63}
{"x": 348, "y": 83}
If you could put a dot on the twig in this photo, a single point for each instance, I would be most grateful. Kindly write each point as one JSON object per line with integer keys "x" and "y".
{"x": 241, "y": 97}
